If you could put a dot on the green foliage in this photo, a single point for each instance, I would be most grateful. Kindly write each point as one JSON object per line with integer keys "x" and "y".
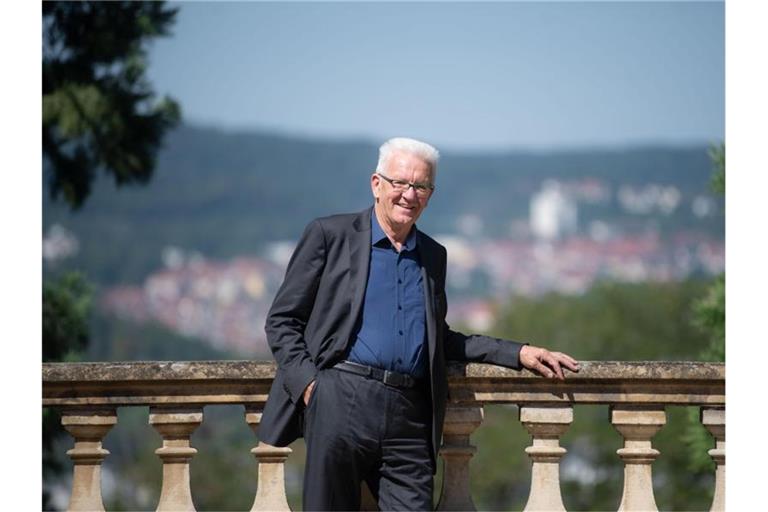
{"x": 115, "y": 339}
{"x": 222, "y": 474}
{"x": 225, "y": 476}
{"x": 500, "y": 471}
{"x": 52, "y": 460}
{"x": 99, "y": 111}
{"x": 612, "y": 321}
{"x": 66, "y": 309}
{"x": 710, "y": 310}
{"x": 717, "y": 155}
{"x": 678, "y": 484}
{"x": 709, "y": 316}
{"x": 698, "y": 442}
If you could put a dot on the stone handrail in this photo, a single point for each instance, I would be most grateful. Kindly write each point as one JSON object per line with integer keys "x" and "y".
{"x": 88, "y": 395}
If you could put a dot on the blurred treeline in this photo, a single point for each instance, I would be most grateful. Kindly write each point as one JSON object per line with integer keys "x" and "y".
{"x": 225, "y": 194}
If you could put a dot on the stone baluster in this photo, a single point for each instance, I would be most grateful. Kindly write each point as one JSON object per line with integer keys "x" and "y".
{"x": 546, "y": 425}
{"x": 460, "y": 423}
{"x": 88, "y": 427}
{"x": 175, "y": 425}
{"x": 638, "y": 424}
{"x": 270, "y": 489}
{"x": 714, "y": 421}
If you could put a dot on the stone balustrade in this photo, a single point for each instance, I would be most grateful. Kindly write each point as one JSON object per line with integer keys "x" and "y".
{"x": 88, "y": 395}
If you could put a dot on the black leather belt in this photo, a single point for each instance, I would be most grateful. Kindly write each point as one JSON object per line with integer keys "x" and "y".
{"x": 398, "y": 380}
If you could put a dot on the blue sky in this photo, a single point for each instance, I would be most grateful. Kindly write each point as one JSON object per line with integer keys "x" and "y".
{"x": 460, "y": 75}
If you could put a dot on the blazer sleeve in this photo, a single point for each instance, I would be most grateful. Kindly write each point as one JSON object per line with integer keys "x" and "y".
{"x": 291, "y": 309}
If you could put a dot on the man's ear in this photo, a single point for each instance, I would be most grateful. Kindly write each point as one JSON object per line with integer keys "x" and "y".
{"x": 375, "y": 185}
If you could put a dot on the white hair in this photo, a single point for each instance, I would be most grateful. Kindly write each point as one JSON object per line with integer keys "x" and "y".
{"x": 412, "y": 147}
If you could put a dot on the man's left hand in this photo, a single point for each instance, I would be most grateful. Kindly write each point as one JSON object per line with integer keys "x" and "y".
{"x": 549, "y": 364}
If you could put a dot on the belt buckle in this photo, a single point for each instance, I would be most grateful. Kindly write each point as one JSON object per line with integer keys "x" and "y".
{"x": 390, "y": 378}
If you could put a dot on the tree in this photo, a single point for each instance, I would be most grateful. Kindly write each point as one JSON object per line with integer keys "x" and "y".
{"x": 709, "y": 316}
{"x": 717, "y": 154}
{"x": 99, "y": 114}
{"x": 99, "y": 111}
{"x": 66, "y": 307}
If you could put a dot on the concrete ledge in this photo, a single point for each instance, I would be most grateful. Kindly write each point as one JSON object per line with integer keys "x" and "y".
{"x": 635, "y": 370}
{"x": 248, "y": 382}
{"x": 248, "y": 370}
{"x": 158, "y": 371}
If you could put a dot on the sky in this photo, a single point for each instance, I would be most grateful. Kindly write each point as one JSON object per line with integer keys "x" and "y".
{"x": 470, "y": 76}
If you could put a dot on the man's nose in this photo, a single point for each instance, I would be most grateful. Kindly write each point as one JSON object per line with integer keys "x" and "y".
{"x": 410, "y": 192}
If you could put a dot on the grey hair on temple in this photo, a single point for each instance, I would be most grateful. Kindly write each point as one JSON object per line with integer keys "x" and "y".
{"x": 410, "y": 146}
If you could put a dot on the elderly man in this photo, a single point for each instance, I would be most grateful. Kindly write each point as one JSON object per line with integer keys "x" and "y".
{"x": 359, "y": 335}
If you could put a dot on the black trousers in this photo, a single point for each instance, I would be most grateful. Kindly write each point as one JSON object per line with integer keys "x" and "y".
{"x": 359, "y": 429}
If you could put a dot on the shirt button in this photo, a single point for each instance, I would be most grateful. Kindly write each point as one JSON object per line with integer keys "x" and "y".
{"x": 401, "y": 333}
{"x": 400, "y": 307}
{"x": 399, "y": 281}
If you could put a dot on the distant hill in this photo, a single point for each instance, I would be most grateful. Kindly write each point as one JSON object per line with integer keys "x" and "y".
{"x": 229, "y": 193}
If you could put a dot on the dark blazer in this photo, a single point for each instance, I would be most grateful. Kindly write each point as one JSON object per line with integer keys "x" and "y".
{"x": 315, "y": 312}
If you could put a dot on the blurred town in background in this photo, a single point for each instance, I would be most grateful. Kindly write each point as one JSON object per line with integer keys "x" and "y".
{"x": 551, "y": 247}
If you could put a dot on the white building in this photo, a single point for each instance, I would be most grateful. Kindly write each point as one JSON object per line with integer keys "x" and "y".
{"x": 553, "y": 212}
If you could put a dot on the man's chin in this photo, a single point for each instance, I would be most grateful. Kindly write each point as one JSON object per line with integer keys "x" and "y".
{"x": 407, "y": 213}
{"x": 407, "y": 220}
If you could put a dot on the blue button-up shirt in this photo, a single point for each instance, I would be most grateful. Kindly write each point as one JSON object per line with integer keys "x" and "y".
{"x": 392, "y": 332}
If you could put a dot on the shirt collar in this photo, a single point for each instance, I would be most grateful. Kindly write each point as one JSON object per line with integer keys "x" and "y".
{"x": 377, "y": 234}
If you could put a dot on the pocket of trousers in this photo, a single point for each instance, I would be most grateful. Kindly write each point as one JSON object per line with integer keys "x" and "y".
{"x": 313, "y": 395}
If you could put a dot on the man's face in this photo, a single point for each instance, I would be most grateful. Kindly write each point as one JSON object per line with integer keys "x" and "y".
{"x": 400, "y": 209}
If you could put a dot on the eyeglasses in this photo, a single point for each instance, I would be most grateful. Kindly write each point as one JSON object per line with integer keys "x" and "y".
{"x": 422, "y": 189}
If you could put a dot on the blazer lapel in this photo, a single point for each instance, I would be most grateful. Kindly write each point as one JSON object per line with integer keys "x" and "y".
{"x": 428, "y": 268}
{"x": 359, "y": 260}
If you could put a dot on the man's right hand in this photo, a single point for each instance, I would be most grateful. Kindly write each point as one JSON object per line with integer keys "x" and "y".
{"x": 547, "y": 363}
{"x": 308, "y": 392}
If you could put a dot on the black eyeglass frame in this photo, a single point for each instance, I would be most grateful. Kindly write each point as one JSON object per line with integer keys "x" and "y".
{"x": 424, "y": 188}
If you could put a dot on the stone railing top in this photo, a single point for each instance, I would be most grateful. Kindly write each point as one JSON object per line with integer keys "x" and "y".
{"x": 217, "y": 382}
{"x": 158, "y": 371}
{"x": 598, "y": 382}
{"x": 602, "y": 370}
{"x": 265, "y": 370}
